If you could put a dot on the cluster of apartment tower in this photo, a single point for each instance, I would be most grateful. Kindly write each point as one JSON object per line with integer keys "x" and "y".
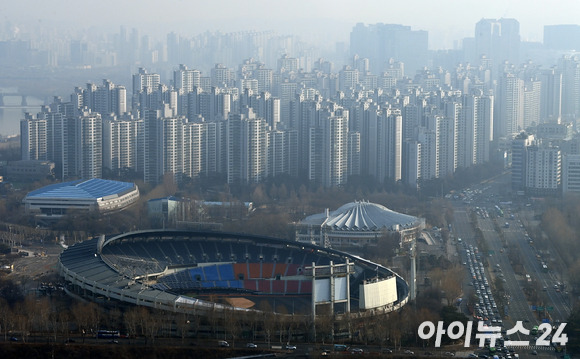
{"x": 368, "y": 118}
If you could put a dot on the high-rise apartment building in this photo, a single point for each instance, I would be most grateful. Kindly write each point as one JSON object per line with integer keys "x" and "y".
{"x": 571, "y": 173}
{"x": 532, "y": 103}
{"x": 509, "y": 116}
{"x": 543, "y": 170}
{"x": 89, "y": 146}
{"x": 120, "y": 144}
{"x": 551, "y": 96}
{"x": 389, "y": 145}
{"x": 33, "y": 138}
{"x": 570, "y": 67}
{"x": 143, "y": 82}
{"x": 519, "y": 152}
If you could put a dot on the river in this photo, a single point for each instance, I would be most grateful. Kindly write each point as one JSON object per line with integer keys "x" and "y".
{"x": 12, "y": 110}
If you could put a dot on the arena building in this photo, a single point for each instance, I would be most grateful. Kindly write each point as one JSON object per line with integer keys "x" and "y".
{"x": 356, "y": 224}
{"x": 52, "y": 202}
{"x": 197, "y": 271}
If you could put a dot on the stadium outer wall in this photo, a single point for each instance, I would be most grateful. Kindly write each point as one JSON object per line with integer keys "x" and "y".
{"x": 91, "y": 273}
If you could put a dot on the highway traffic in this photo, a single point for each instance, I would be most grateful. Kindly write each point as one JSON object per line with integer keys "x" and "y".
{"x": 491, "y": 234}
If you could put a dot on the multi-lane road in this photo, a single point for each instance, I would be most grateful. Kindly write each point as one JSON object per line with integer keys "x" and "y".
{"x": 552, "y": 297}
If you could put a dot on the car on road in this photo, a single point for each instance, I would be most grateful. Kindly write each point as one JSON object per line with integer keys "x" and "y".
{"x": 223, "y": 344}
{"x": 356, "y": 351}
{"x": 251, "y": 345}
{"x": 290, "y": 347}
{"x": 409, "y": 352}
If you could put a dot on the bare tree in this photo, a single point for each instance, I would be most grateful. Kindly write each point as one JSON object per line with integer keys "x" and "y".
{"x": 21, "y": 321}
{"x": 64, "y": 317}
{"x": 182, "y": 324}
{"x": 153, "y": 322}
{"x": 5, "y": 314}
{"x": 324, "y": 323}
{"x": 233, "y": 324}
{"x": 82, "y": 317}
{"x": 131, "y": 320}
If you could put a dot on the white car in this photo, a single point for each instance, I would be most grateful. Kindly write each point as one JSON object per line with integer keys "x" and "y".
{"x": 290, "y": 347}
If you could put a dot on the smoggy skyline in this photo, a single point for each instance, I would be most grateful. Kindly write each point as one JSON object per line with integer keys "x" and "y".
{"x": 447, "y": 21}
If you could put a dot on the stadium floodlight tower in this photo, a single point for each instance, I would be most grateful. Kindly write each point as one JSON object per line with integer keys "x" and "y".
{"x": 330, "y": 284}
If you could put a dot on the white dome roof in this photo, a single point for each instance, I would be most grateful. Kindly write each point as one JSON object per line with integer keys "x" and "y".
{"x": 362, "y": 216}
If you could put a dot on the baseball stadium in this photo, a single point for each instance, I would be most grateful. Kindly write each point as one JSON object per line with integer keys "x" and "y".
{"x": 197, "y": 271}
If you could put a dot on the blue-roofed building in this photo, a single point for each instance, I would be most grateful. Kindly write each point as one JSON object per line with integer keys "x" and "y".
{"x": 53, "y": 201}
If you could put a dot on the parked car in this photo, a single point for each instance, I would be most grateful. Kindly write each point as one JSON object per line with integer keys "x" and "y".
{"x": 290, "y": 347}
{"x": 251, "y": 345}
{"x": 223, "y": 343}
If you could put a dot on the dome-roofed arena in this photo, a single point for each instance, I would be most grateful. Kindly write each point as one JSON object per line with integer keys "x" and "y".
{"x": 356, "y": 224}
{"x": 185, "y": 271}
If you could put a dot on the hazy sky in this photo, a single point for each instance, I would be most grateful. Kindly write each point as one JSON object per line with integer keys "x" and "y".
{"x": 446, "y": 20}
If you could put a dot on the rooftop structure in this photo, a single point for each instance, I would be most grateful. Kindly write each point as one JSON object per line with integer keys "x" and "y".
{"x": 356, "y": 224}
{"x": 53, "y": 201}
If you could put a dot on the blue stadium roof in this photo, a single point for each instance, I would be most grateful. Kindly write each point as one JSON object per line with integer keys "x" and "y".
{"x": 82, "y": 189}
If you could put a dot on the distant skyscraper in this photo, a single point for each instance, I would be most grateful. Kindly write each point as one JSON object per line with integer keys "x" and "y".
{"x": 499, "y": 40}
{"x": 382, "y": 42}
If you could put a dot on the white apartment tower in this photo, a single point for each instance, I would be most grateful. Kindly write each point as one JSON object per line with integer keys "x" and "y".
{"x": 509, "y": 117}
{"x": 186, "y": 79}
{"x": 33, "y": 138}
{"x": 89, "y": 146}
{"x": 330, "y": 150}
{"x": 120, "y": 145}
{"x": 543, "y": 170}
{"x": 571, "y": 174}
{"x": 143, "y": 82}
{"x": 412, "y": 163}
{"x": 532, "y": 103}
{"x": 246, "y": 148}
